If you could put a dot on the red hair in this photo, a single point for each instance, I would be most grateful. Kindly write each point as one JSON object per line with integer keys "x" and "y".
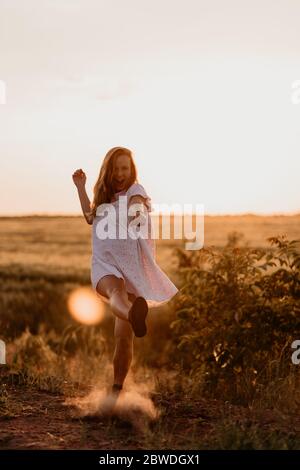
{"x": 103, "y": 189}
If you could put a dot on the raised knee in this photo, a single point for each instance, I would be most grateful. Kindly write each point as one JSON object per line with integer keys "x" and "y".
{"x": 117, "y": 290}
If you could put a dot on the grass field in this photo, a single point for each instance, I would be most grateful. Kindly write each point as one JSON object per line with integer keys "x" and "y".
{"x": 53, "y": 385}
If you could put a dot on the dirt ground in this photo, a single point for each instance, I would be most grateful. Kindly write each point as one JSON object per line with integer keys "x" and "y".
{"x": 34, "y": 419}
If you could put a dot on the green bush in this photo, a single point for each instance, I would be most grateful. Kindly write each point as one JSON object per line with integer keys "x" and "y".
{"x": 237, "y": 314}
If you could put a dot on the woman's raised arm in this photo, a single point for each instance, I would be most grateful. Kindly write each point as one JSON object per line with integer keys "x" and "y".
{"x": 79, "y": 179}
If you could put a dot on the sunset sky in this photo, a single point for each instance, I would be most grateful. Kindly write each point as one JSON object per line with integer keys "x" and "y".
{"x": 200, "y": 91}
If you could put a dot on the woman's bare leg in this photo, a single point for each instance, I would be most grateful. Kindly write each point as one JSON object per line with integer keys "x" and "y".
{"x": 124, "y": 347}
{"x": 120, "y": 302}
{"x": 123, "y": 350}
{"x": 114, "y": 289}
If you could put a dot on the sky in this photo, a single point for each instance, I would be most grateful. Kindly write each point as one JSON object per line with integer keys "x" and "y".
{"x": 200, "y": 91}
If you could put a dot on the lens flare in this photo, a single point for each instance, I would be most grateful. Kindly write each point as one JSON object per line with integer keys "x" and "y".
{"x": 85, "y": 307}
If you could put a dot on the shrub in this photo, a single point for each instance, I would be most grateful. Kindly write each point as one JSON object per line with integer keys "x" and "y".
{"x": 237, "y": 315}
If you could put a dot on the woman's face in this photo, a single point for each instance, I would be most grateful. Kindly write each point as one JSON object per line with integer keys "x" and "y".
{"x": 121, "y": 173}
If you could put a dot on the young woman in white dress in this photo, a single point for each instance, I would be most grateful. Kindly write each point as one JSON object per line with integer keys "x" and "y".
{"x": 124, "y": 272}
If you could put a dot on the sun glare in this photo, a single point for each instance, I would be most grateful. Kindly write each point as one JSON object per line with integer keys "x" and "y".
{"x": 85, "y": 307}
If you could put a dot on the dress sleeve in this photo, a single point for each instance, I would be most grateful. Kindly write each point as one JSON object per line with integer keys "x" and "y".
{"x": 137, "y": 189}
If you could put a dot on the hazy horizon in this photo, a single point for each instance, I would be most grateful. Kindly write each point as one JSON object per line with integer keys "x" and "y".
{"x": 242, "y": 214}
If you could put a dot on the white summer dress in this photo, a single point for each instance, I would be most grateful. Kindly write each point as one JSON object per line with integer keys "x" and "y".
{"x": 131, "y": 258}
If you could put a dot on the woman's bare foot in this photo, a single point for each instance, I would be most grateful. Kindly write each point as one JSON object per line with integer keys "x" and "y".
{"x": 116, "y": 389}
{"x": 137, "y": 316}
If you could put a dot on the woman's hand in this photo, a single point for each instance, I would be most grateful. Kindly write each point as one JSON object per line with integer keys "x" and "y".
{"x": 79, "y": 178}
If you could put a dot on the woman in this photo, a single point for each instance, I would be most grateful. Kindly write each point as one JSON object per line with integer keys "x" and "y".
{"x": 124, "y": 272}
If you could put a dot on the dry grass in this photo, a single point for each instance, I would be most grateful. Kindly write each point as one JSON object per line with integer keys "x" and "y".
{"x": 44, "y": 258}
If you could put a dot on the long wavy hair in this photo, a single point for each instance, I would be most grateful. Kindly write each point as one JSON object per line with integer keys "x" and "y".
{"x": 104, "y": 188}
